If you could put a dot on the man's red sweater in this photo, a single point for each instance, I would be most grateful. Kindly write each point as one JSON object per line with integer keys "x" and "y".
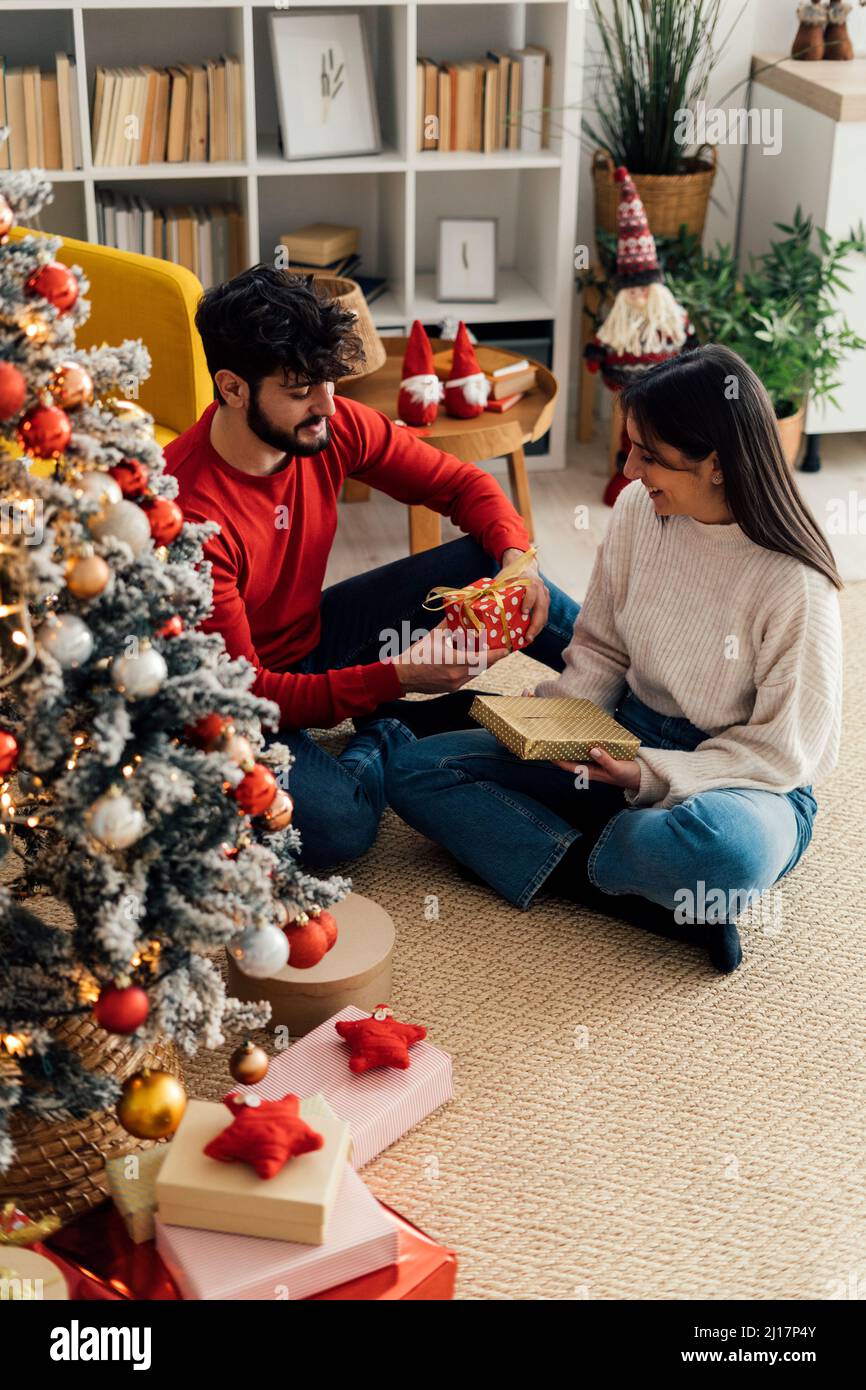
{"x": 276, "y": 532}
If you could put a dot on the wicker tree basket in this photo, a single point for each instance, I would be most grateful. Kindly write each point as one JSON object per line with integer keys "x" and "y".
{"x": 352, "y": 297}
{"x": 59, "y": 1165}
{"x": 670, "y": 200}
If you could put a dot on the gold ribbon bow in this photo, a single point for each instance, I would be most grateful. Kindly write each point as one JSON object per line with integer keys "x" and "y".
{"x": 440, "y": 596}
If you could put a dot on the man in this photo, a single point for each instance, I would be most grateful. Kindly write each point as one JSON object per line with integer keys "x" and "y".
{"x": 267, "y": 461}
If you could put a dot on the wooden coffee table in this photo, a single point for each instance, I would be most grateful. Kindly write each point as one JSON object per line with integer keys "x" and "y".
{"x": 487, "y": 436}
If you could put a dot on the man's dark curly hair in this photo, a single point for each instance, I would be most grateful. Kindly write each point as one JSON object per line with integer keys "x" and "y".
{"x": 265, "y": 320}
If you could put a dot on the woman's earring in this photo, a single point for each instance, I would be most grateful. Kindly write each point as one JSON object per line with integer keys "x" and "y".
{"x": 717, "y": 477}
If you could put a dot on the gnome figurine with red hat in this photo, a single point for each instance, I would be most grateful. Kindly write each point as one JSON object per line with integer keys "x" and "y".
{"x": 646, "y": 325}
{"x": 420, "y": 387}
{"x": 466, "y": 388}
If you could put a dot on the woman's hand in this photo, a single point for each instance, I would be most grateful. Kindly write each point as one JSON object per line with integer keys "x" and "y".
{"x": 536, "y": 599}
{"x": 616, "y": 772}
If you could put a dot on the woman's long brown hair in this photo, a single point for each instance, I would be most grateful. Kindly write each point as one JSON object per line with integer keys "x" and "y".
{"x": 710, "y": 399}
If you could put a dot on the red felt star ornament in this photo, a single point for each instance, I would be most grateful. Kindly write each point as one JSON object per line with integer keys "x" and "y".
{"x": 263, "y": 1133}
{"x": 379, "y": 1041}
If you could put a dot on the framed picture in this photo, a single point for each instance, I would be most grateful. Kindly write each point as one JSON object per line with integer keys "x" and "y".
{"x": 324, "y": 79}
{"x": 466, "y": 259}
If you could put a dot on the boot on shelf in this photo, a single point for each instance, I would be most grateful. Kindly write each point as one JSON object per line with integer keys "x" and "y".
{"x": 808, "y": 46}
{"x": 837, "y": 40}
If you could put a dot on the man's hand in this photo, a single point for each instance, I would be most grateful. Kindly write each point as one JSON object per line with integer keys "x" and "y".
{"x": 616, "y": 772}
{"x": 435, "y": 664}
{"x": 536, "y": 601}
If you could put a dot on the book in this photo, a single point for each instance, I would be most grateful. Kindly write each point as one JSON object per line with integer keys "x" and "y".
{"x": 51, "y": 121}
{"x": 371, "y": 286}
{"x": 234, "y": 108}
{"x": 561, "y": 727}
{"x": 515, "y": 92}
{"x": 147, "y": 123}
{"x": 445, "y": 83}
{"x": 75, "y": 117}
{"x": 504, "y": 82}
{"x": 33, "y": 117}
{"x": 65, "y": 75}
{"x": 477, "y": 135}
{"x": 178, "y": 130}
{"x": 490, "y": 78}
{"x": 431, "y": 103}
{"x": 498, "y": 407}
{"x": 321, "y": 243}
{"x": 465, "y": 81}
{"x": 197, "y": 150}
{"x": 15, "y": 115}
{"x": 532, "y": 64}
{"x": 159, "y": 134}
{"x": 506, "y": 374}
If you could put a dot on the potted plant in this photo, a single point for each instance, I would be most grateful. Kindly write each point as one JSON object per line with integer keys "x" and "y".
{"x": 781, "y": 315}
{"x": 656, "y": 58}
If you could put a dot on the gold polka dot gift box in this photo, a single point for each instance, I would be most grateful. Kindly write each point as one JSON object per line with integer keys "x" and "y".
{"x": 558, "y": 728}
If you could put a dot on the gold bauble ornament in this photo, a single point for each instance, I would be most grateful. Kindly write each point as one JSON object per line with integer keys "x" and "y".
{"x": 87, "y": 576}
{"x": 249, "y": 1063}
{"x": 124, "y": 410}
{"x": 151, "y": 1104}
{"x": 71, "y": 386}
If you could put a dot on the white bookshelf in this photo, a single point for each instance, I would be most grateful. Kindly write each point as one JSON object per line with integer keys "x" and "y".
{"x": 395, "y": 196}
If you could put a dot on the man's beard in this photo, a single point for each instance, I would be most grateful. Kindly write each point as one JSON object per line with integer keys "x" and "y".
{"x": 286, "y": 440}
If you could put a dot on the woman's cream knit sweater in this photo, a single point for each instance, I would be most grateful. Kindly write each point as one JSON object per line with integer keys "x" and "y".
{"x": 702, "y": 623}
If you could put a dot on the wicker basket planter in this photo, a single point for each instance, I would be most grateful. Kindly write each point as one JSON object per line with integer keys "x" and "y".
{"x": 670, "y": 200}
{"x": 791, "y": 434}
{"x": 351, "y": 297}
{"x": 59, "y": 1166}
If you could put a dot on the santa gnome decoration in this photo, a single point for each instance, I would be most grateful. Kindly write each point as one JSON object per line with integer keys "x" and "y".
{"x": 420, "y": 388}
{"x": 466, "y": 387}
{"x": 646, "y": 324}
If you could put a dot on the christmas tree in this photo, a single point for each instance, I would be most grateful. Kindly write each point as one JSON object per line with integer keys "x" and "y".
{"x": 133, "y": 783}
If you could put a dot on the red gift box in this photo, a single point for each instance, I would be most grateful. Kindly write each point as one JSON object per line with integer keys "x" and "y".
{"x": 489, "y": 611}
{"x": 102, "y": 1262}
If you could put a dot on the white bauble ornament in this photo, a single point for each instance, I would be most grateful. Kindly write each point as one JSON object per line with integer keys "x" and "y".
{"x": 68, "y": 639}
{"x": 139, "y": 676}
{"x": 260, "y": 951}
{"x": 115, "y": 820}
{"x": 101, "y": 487}
{"x": 124, "y": 521}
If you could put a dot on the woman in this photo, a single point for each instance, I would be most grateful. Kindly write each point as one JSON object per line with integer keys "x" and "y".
{"x": 711, "y": 630}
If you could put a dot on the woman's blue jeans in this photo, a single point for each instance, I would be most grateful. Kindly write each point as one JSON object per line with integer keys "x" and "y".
{"x": 511, "y": 822}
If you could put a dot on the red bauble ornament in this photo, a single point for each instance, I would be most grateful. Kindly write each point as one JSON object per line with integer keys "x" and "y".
{"x": 13, "y": 390}
{"x": 310, "y": 940}
{"x": 207, "y": 731}
{"x": 45, "y": 432}
{"x": 379, "y": 1041}
{"x": 173, "y": 628}
{"x": 263, "y": 1133}
{"x": 256, "y": 790}
{"x": 121, "y": 1008}
{"x": 165, "y": 518}
{"x": 131, "y": 476}
{"x": 56, "y": 283}
{"x": 8, "y": 752}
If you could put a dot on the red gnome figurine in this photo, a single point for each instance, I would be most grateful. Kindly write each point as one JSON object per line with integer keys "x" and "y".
{"x": 420, "y": 387}
{"x": 467, "y": 388}
{"x": 646, "y": 324}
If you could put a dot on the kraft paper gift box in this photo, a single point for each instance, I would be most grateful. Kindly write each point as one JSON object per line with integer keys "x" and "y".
{"x": 361, "y": 1237}
{"x": 132, "y": 1184}
{"x": 380, "y": 1106}
{"x": 557, "y": 728}
{"x": 195, "y": 1190}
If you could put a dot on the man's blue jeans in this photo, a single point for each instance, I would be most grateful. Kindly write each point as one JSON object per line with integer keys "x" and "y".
{"x": 339, "y": 800}
{"x": 512, "y": 821}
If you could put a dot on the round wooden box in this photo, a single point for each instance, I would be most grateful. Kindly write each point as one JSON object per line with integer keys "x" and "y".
{"x": 357, "y": 970}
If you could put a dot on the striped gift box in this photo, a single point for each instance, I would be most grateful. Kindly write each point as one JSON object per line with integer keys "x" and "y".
{"x": 380, "y": 1106}
{"x": 361, "y": 1237}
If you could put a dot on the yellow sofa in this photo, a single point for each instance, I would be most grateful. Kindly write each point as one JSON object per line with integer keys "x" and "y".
{"x": 134, "y": 296}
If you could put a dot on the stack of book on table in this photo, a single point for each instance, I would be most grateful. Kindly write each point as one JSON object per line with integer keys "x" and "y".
{"x": 499, "y": 102}
{"x": 42, "y": 113}
{"x": 190, "y": 112}
{"x": 331, "y": 249}
{"x": 510, "y": 378}
{"x": 208, "y": 239}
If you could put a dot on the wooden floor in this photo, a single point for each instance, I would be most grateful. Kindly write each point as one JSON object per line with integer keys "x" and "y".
{"x": 375, "y": 532}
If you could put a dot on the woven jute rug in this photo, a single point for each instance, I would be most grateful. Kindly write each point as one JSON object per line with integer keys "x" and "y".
{"x": 628, "y": 1123}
